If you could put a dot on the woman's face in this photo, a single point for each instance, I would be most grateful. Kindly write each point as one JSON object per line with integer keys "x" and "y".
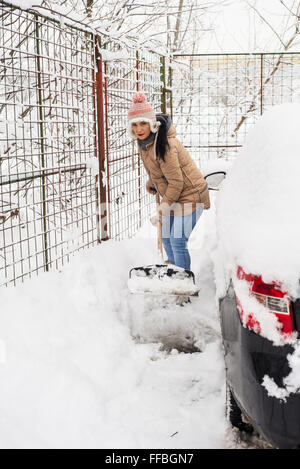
{"x": 141, "y": 129}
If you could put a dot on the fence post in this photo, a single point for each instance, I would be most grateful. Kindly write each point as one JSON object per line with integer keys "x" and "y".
{"x": 100, "y": 125}
{"x": 42, "y": 146}
{"x": 98, "y": 201}
{"x": 166, "y": 87}
{"x": 163, "y": 105}
{"x": 139, "y": 160}
{"x": 261, "y": 82}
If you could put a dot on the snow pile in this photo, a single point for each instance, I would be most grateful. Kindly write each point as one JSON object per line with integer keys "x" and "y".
{"x": 27, "y": 4}
{"x": 72, "y": 376}
{"x": 258, "y": 212}
{"x": 291, "y": 383}
{"x": 112, "y": 55}
{"x": 273, "y": 389}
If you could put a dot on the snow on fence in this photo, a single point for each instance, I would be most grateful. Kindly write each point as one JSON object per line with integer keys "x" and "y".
{"x": 218, "y": 97}
{"x": 66, "y": 177}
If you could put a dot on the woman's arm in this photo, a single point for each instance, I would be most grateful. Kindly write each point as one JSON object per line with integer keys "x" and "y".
{"x": 173, "y": 174}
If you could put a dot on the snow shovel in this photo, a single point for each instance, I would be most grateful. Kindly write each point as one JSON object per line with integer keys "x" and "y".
{"x": 162, "y": 279}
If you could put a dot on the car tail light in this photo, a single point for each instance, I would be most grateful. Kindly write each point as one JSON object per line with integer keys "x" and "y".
{"x": 272, "y": 297}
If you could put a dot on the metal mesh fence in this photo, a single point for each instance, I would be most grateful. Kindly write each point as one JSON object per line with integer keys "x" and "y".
{"x": 47, "y": 137}
{"x": 217, "y": 98}
{"x": 67, "y": 178}
{"x": 136, "y": 71}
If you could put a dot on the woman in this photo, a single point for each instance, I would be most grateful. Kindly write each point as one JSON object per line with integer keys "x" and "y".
{"x": 172, "y": 173}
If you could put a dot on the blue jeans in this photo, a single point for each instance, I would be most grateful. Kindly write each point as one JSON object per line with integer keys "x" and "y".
{"x": 176, "y": 231}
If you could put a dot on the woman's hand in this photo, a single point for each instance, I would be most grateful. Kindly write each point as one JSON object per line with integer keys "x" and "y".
{"x": 155, "y": 219}
{"x": 150, "y": 188}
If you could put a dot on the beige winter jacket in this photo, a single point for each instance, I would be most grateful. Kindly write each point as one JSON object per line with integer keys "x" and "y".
{"x": 177, "y": 179}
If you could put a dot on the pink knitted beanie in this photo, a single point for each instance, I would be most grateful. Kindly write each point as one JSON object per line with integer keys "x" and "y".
{"x": 141, "y": 110}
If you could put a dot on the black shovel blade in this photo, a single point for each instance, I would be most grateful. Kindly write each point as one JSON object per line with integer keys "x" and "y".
{"x": 162, "y": 270}
{"x": 162, "y": 279}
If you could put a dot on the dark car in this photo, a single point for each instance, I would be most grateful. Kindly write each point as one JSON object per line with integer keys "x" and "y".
{"x": 250, "y": 357}
{"x": 257, "y": 276}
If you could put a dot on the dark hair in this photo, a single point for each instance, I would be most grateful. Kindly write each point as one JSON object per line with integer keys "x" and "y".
{"x": 162, "y": 141}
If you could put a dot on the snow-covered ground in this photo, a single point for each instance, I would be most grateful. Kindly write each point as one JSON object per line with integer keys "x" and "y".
{"x": 83, "y": 363}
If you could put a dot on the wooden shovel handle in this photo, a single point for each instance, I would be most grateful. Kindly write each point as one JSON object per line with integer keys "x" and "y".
{"x": 159, "y": 227}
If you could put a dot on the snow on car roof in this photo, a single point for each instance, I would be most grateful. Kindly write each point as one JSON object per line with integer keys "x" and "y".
{"x": 258, "y": 215}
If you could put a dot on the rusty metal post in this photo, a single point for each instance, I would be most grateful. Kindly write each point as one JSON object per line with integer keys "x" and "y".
{"x": 139, "y": 161}
{"x": 99, "y": 86}
{"x": 105, "y": 84}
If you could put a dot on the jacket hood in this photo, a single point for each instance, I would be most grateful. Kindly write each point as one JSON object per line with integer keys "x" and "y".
{"x": 172, "y": 132}
{"x": 168, "y": 121}
{"x": 164, "y": 119}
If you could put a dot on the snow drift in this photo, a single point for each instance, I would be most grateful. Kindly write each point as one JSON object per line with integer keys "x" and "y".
{"x": 82, "y": 364}
{"x": 258, "y": 211}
